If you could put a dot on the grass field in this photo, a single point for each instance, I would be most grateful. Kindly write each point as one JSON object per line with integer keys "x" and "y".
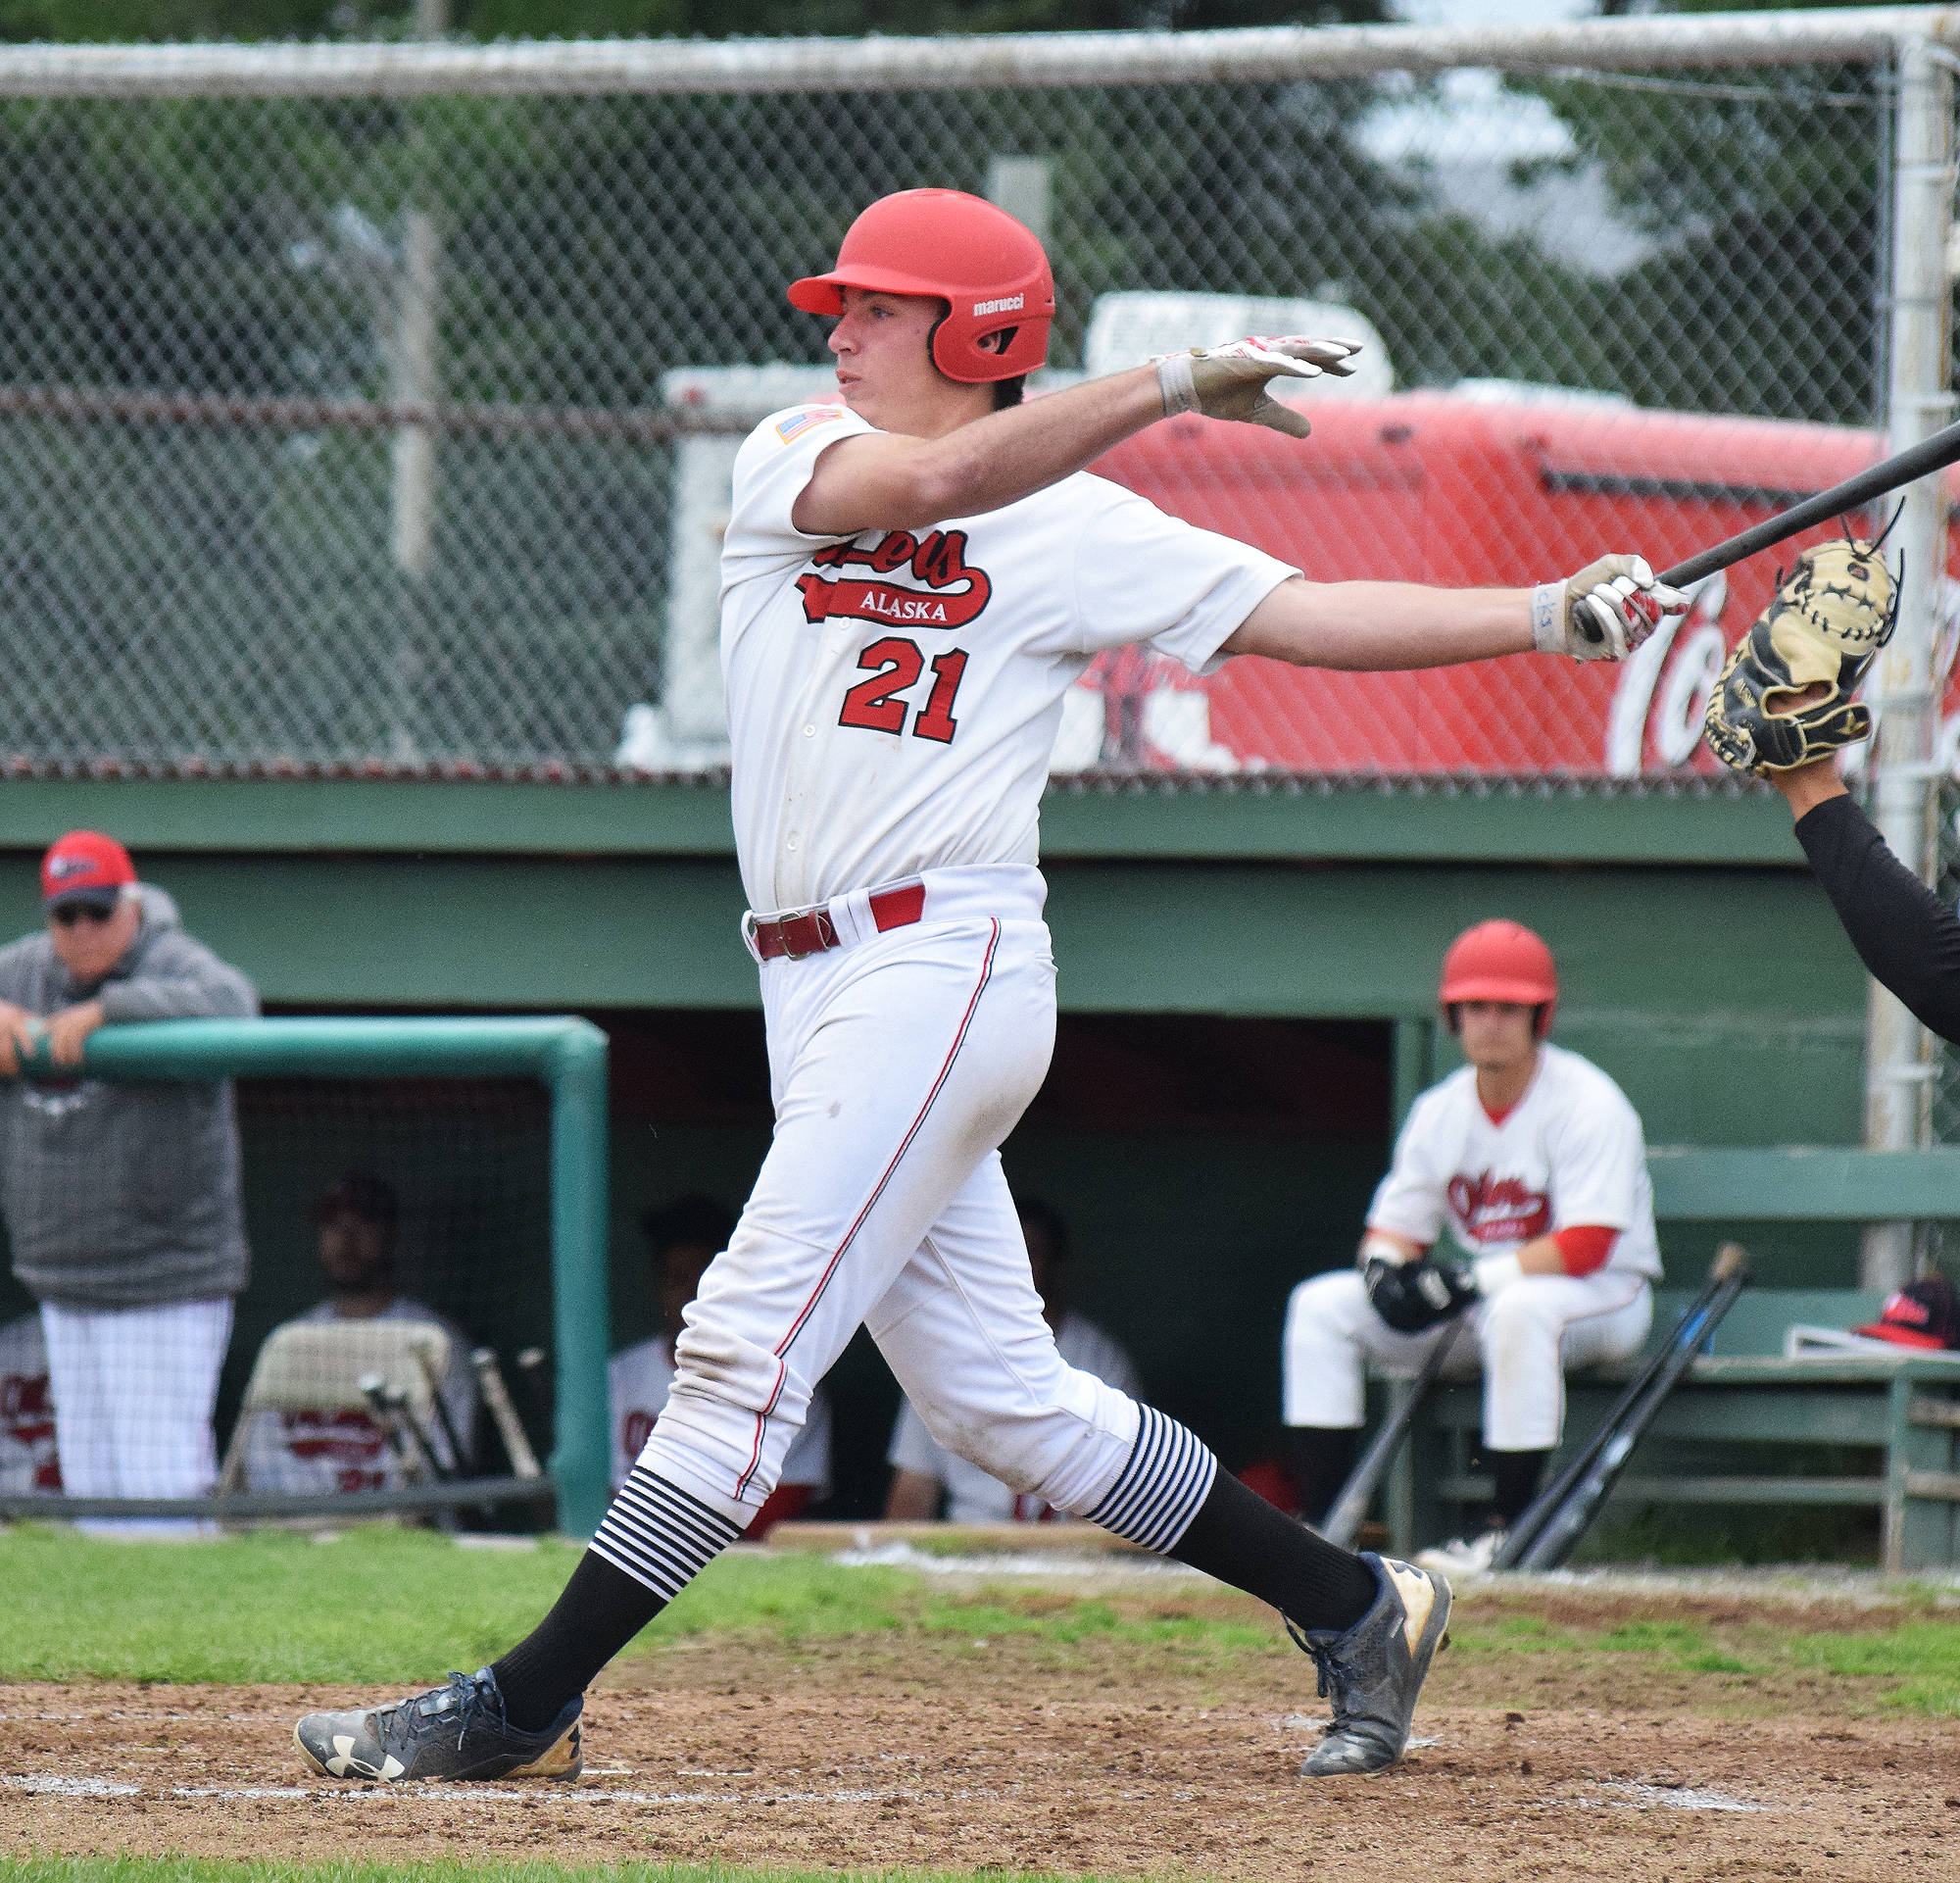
{"x": 397, "y": 1609}
{"x": 793, "y": 1717}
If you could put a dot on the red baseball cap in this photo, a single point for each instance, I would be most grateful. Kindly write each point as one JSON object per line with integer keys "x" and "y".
{"x": 85, "y": 867}
{"x": 1923, "y": 1314}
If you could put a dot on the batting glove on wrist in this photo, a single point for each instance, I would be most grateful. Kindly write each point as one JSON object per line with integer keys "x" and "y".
{"x": 1602, "y": 612}
{"x": 1230, "y": 381}
{"x": 1495, "y": 1273}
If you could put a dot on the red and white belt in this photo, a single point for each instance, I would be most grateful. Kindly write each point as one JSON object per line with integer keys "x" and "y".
{"x": 810, "y": 931}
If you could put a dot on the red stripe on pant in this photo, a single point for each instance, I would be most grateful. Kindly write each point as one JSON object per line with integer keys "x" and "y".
{"x": 871, "y": 1203}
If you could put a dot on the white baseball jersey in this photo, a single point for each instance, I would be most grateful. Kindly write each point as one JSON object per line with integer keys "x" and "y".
{"x": 971, "y": 1495}
{"x": 1569, "y": 1151}
{"x": 893, "y": 699}
{"x": 323, "y": 1450}
{"x": 640, "y": 1378}
{"x": 28, "y": 1460}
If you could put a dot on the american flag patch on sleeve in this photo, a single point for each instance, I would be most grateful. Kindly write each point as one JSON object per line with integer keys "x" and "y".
{"x": 797, "y": 422}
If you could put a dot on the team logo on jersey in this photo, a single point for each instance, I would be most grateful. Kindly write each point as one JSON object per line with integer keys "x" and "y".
{"x": 914, "y": 581}
{"x": 1499, "y": 1209}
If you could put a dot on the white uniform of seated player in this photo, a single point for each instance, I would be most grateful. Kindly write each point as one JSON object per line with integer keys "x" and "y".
{"x": 681, "y": 1241}
{"x": 1533, "y": 1160}
{"x": 913, "y": 577}
{"x": 27, "y": 1459}
{"x": 924, "y": 1471}
{"x": 328, "y": 1449}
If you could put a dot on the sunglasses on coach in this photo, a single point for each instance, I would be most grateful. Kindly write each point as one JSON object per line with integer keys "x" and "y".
{"x": 71, "y": 912}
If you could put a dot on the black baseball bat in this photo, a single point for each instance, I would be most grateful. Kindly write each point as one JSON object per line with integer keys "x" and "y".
{"x": 447, "y": 1425}
{"x": 1345, "y": 1514}
{"x": 1574, "y": 1515}
{"x": 1524, "y": 1531}
{"x": 1854, "y": 493}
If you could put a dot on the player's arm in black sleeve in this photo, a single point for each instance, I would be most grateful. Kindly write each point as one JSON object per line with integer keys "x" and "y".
{"x": 1907, "y": 937}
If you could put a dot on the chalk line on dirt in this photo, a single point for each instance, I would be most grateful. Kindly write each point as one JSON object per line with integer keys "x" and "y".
{"x": 85, "y": 1785}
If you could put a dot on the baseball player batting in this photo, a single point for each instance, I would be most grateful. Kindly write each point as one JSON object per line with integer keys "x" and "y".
{"x": 913, "y": 576}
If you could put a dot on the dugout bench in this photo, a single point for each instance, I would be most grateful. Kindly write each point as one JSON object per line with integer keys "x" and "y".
{"x": 1901, "y": 1411}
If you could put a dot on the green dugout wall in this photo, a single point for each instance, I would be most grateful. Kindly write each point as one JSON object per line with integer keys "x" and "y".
{"x": 1701, "y": 967}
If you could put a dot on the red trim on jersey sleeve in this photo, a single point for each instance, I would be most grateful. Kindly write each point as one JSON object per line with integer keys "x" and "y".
{"x": 1585, "y": 1247}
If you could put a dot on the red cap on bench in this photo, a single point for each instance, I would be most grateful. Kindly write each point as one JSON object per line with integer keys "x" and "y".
{"x": 1923, "y": 1314}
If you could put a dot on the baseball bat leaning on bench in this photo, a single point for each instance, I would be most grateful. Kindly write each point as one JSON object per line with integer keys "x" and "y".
{"x": 1349, "y": 1510}
{"x": 497, "y": 1396}
{"x": 1543, "y": 1537}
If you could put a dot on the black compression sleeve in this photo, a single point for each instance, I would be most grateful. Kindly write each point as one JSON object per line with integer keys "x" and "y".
{"x": 1907, "y": 937}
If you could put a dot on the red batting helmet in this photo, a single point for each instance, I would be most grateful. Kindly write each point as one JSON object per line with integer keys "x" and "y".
{"x": 1501, "y": 961}
{"x": 987, "y": 267}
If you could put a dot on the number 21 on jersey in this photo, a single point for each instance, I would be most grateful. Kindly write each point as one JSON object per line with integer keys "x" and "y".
{"x": 895, "y": 665}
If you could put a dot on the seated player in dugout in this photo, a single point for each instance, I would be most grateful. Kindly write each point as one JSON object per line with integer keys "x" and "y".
{"x": 1533, "y": 1161}
{"x": 913, "y": 576}
{"x": 681, "y": 1241}
{"x": 322, "y": 1449}
{"x": 924, "y": 1471}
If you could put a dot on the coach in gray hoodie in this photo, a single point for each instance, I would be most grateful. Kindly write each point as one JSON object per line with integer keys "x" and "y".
{"x": 122, "y": 1200}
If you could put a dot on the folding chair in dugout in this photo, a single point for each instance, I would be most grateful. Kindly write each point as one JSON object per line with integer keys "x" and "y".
{"x": 332, "y": 1367}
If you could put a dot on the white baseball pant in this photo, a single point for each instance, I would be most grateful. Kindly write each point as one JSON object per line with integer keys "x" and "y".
{"x": 898, "y": 1063}
{"x": 135, "y": 1389}
{"x": 1523, "y": 1341}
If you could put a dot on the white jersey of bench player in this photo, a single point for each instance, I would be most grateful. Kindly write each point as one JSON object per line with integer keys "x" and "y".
{"x": 328, "y": 1449}
{"x": 1569, "y": 1153}
{"x": 27, "y": 1459}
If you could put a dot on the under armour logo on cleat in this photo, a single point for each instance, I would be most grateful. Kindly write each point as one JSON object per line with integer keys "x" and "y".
{"x": 344, "y": 1764}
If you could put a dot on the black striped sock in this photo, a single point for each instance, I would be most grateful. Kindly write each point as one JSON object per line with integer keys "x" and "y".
{"x": 656, "y": 1533}
{"x": 1161, "y": 1489}
{"x": 653, "y": 1541}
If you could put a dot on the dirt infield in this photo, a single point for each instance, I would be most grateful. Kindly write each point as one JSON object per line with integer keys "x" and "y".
{"x": 1093, "y": 1759}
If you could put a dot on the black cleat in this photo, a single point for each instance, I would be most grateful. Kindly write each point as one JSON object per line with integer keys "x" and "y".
{"x": 453, "y": 1731}
{"x": 1373, "y": 1672}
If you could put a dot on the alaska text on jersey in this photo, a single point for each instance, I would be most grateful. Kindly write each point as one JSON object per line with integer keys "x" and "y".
{"x": 920, "y": 581}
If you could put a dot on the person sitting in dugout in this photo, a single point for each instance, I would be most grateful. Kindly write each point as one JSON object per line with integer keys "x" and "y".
{"x": 324, "y": 1450}
{"x": 1533, "y": 1161}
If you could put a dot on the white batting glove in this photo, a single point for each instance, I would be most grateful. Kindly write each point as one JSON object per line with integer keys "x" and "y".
{"x": 1602, "y": 612}
{"x": 1230, "y": 381}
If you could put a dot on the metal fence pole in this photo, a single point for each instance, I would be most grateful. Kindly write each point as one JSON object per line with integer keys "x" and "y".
{"x": 1898, "y": 1061}
{"x": 581, "y": 1280}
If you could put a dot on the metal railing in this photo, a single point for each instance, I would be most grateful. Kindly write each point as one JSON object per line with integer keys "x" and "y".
{"x": 568, "y": 1056}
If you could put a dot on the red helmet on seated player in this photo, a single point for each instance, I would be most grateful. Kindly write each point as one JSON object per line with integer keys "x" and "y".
{"x": 1501, "y": 961}
{"x": 989, "y": 270}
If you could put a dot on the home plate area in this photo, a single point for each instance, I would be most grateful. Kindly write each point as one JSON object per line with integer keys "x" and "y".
{"x": 836, "y": 1764}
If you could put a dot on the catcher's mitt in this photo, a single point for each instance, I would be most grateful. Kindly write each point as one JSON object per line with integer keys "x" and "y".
{"x": 1823, "y": 625}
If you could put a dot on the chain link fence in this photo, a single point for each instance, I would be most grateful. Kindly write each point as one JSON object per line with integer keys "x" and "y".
{"x": 390, "y": 434}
